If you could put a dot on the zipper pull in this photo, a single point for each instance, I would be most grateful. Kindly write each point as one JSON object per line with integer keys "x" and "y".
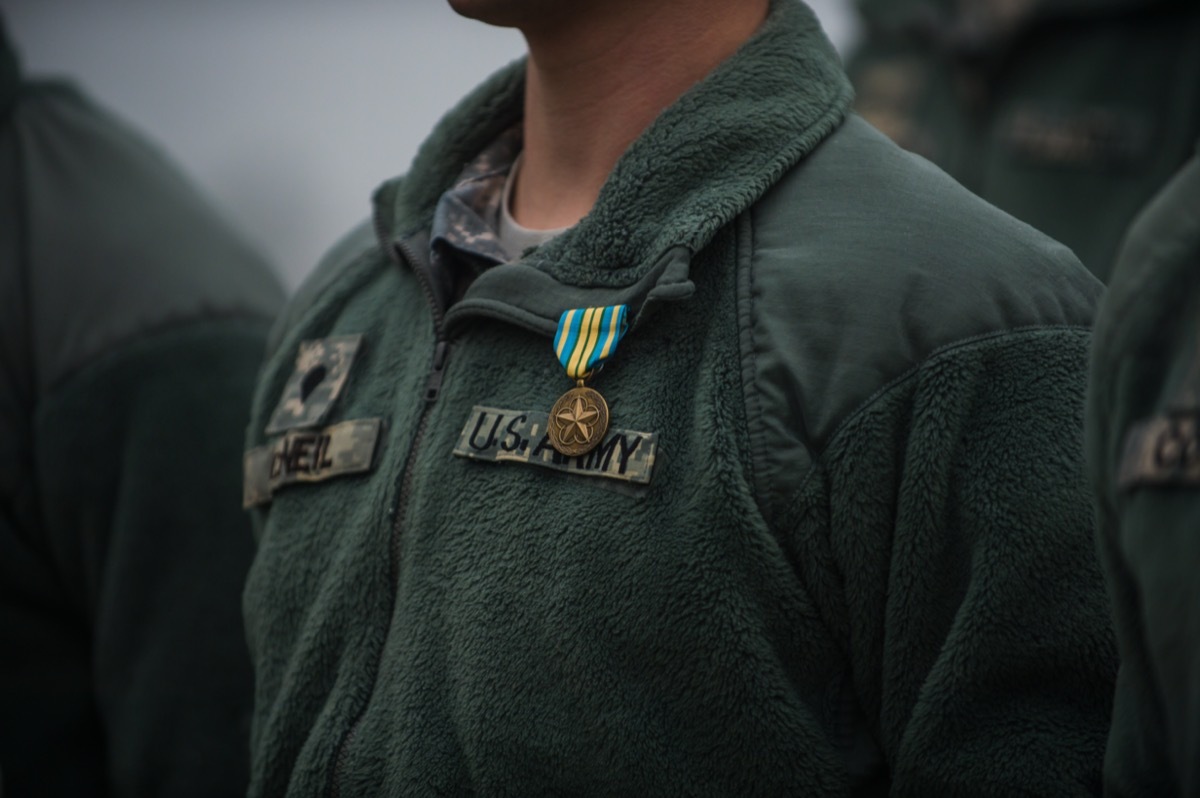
{"x": 436, "y": 369}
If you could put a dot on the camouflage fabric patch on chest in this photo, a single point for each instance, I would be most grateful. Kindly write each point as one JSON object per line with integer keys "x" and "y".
{"x": 520, "y": 436}
{"x": 1162, "y": 451}
{"x": 322, "y": 367}
{"x": 1165, "y": 450}
{"x": 309, "y": 456}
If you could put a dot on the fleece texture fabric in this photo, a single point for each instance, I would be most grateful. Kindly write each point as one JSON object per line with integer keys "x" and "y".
{"x": 1146, "y": 366}
{"x": 863, "y": 564}
{"x": 1068, "y": 114}
{"x": 132, "y": 322}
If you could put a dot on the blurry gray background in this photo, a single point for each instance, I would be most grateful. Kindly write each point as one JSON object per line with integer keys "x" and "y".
{"x": 287, "y": 112}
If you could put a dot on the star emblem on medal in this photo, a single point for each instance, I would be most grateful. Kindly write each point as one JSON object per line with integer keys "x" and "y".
{"x": 578, "y": 421}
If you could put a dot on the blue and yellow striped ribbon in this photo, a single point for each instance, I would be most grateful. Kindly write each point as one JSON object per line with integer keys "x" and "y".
{"x": 587, "y": 336}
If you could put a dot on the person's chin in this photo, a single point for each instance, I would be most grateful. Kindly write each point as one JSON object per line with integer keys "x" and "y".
{"x": 504, "y": 13}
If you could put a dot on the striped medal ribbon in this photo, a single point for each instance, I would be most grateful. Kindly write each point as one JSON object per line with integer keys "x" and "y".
{"x": 586, "y": 337}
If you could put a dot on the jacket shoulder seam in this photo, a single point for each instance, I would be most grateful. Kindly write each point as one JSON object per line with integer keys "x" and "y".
{"x": 906, "y": 376}
{"x": 744, "y": 243}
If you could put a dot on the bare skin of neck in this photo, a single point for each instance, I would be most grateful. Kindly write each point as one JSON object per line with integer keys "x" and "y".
{"x": 598, "y": 77}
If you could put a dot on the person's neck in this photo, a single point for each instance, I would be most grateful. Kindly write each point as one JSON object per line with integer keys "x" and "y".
{"x": 595, "y": 82}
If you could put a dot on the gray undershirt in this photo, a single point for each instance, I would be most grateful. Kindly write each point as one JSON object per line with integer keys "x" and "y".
{"x": 514, "y": 238}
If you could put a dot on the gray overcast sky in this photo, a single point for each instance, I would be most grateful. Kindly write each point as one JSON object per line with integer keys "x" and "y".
{"x": 288, "y": 112}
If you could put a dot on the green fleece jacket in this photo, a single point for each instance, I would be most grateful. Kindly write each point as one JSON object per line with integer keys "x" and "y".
{"x": 132, "y": 321}
{"x": 1144, "y": 457}
{"x": 1068, "y": 114}
{"x": 862, "y": 562}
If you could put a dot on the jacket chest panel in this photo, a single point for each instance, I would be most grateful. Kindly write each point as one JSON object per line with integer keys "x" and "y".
{"x": 485, "y": 608}
{"x": 526, "y": 597}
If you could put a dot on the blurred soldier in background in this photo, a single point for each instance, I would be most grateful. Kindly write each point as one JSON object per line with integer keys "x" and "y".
{"x": 1069, "y": 114}
{"x": 131, "y": 324}
{"x": 1144, "y": 454}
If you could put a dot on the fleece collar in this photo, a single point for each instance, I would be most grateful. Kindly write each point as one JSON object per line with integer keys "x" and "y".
{"x": 706, "y": 159}
{"x": 10, "y": 72}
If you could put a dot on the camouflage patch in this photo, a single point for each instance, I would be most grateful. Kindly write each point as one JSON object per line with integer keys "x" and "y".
{"x": 322, "y": 367}
{"x": 309, "y": 456}
{"x": 515, "y": 436}
{"x": 1162, "y": 451}
{"x": 1078, "y": 138}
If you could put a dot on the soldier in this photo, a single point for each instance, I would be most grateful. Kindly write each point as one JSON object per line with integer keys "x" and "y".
{"x": 131, "y": 324}
{"x": 691, "y": 439}
{"x": 1067, "y": 114}
{"x": 1144, "y": 456}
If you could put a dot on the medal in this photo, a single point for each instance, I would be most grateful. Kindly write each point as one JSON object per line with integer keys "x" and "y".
{"x": 586, "y": 337}
{"x": 578, "y": 421}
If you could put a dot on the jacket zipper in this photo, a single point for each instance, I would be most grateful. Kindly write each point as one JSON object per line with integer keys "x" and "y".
{"x": 403, "y": 254}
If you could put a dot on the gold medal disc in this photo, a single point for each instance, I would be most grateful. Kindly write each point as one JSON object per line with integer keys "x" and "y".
{"x": 578, "y": 421}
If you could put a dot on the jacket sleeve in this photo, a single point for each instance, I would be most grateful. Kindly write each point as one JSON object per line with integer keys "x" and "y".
{"x": 973, "y": 610}
{"x": 138, "y": 463}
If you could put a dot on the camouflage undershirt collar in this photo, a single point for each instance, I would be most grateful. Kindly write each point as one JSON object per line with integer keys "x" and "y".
{"x": 467, "y": 217}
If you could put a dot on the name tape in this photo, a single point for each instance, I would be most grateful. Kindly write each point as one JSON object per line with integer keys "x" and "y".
{"x": 309, "y": 456}
{"x": 519, "y": 436}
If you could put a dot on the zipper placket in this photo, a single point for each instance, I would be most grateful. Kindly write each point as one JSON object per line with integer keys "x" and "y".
{"x": 402, "y": 253}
